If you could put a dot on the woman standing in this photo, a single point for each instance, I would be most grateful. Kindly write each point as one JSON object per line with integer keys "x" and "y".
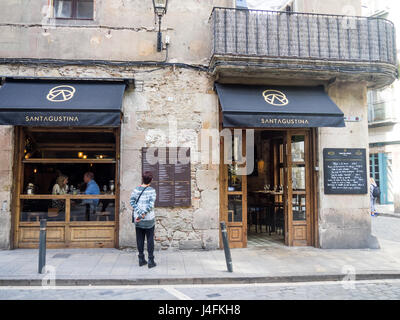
{"x": 142, "y": 200}
{"x": 372, "y": 187}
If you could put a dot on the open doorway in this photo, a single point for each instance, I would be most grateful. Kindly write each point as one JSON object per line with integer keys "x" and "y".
{"x": 265, "y": 205}
{"x": 274, "y": 204}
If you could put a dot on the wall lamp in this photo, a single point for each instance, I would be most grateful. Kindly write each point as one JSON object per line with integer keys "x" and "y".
{"x": 160, "y": 8}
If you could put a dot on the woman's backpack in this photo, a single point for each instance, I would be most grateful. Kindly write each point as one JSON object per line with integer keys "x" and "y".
{"x": 376, "y": 192}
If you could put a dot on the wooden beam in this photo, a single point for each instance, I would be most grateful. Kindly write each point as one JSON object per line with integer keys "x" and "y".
{"x": 68, "y": 161}
{"x": 76, "y": 144}
{"x": 66, "y": 197}
{"x": 76, "y": 149}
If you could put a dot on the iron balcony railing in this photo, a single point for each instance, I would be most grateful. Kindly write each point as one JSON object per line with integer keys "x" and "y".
{"x": 272, "y": 34}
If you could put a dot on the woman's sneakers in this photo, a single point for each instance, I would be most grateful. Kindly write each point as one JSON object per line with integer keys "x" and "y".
{"x": 142, "y": 261}
{"x": 152, "y": 263}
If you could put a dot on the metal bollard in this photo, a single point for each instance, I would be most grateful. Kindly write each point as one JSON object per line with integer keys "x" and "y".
{"x": 42, "y": 245}
{"x": 228, "y": 257}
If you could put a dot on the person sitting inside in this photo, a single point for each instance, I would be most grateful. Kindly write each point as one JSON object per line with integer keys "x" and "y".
{"x": 92, "y": 188}
{"x": 60, "y": 188}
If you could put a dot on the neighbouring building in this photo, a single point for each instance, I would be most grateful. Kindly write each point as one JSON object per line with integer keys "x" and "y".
{"x": 250, "y": 117}
{"x": 383, "y": 121}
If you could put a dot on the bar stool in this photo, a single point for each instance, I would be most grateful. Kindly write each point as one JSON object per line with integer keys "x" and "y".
{"x": 36, "y": 215}
{"x": 105, "y": 214}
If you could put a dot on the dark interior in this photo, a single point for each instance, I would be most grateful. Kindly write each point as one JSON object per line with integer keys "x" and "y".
{"x": 265, "y": 190}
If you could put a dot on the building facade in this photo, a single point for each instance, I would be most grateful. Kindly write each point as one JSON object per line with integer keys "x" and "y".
{"x": 312, "y": 57}
{"x": 383, "y": 120}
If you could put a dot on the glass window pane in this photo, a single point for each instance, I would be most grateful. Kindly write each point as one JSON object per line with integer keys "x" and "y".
{"x": 299, "y": 178}
{"x": 84, "y": 9}
{"x": 298, "y": 148}
{"x": 35, "y": 210}
{"x": 234, "y": 208}
{"x": 42, "y": 178}
{"x": 63, "y": 8}
{"x": 93, "y": 210}
{"x": 299, "y": 207}
{"x": 44, "y": 145}
{"x": 234, "y": 180}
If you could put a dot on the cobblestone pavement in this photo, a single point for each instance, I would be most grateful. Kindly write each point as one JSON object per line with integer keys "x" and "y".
{"x": 386, "y": 228}
{"x": 361, "y": 290}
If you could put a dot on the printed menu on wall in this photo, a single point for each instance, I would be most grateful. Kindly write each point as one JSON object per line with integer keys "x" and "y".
{"x": 171, "y": 175}
{"x": 345, "y": 171}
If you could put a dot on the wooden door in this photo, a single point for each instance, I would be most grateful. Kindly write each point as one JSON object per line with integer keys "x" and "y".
{"x": 233, "y": 193}
{"x": 286, "y": 188}
{"x": 297, "y": 191}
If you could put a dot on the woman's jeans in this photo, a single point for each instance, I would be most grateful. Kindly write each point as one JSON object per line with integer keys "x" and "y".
{"x": 140, "y": 235}
{"x": 373, "y": 204}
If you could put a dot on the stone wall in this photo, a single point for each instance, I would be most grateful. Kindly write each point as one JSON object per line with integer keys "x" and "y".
{"x": 6, "y": 161}
{"x": 344, "y": 220}
{"x": 170, "y": 110}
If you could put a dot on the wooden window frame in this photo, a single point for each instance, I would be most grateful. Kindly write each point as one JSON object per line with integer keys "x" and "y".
{"x": 67, "y": 224}
{"x": 73, "y": 10}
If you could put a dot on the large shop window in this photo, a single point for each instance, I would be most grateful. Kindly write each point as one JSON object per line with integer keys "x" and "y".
{"x": 51, "y": 154}
{"x": 74, "y": 9}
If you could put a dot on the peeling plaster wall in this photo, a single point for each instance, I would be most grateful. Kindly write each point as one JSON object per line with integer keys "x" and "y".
{"x": 339, "y": 7}
{"x": 122, "y": 30}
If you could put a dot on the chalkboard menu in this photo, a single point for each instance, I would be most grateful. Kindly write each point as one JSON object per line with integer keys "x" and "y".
{"x": 345, "y": 171}
{"x": 171, "y": 175}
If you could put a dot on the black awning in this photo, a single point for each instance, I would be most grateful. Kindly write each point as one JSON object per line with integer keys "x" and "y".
{"x": 246, "y": 106}
{"x": 54, "y": 104}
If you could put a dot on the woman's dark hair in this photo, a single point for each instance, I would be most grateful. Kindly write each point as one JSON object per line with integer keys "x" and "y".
{"x": 147, "y": 177}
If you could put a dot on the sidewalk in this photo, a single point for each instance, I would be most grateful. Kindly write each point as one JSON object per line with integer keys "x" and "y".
{"x": 256, "y": 264}
{"x": 387, "y": 211}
